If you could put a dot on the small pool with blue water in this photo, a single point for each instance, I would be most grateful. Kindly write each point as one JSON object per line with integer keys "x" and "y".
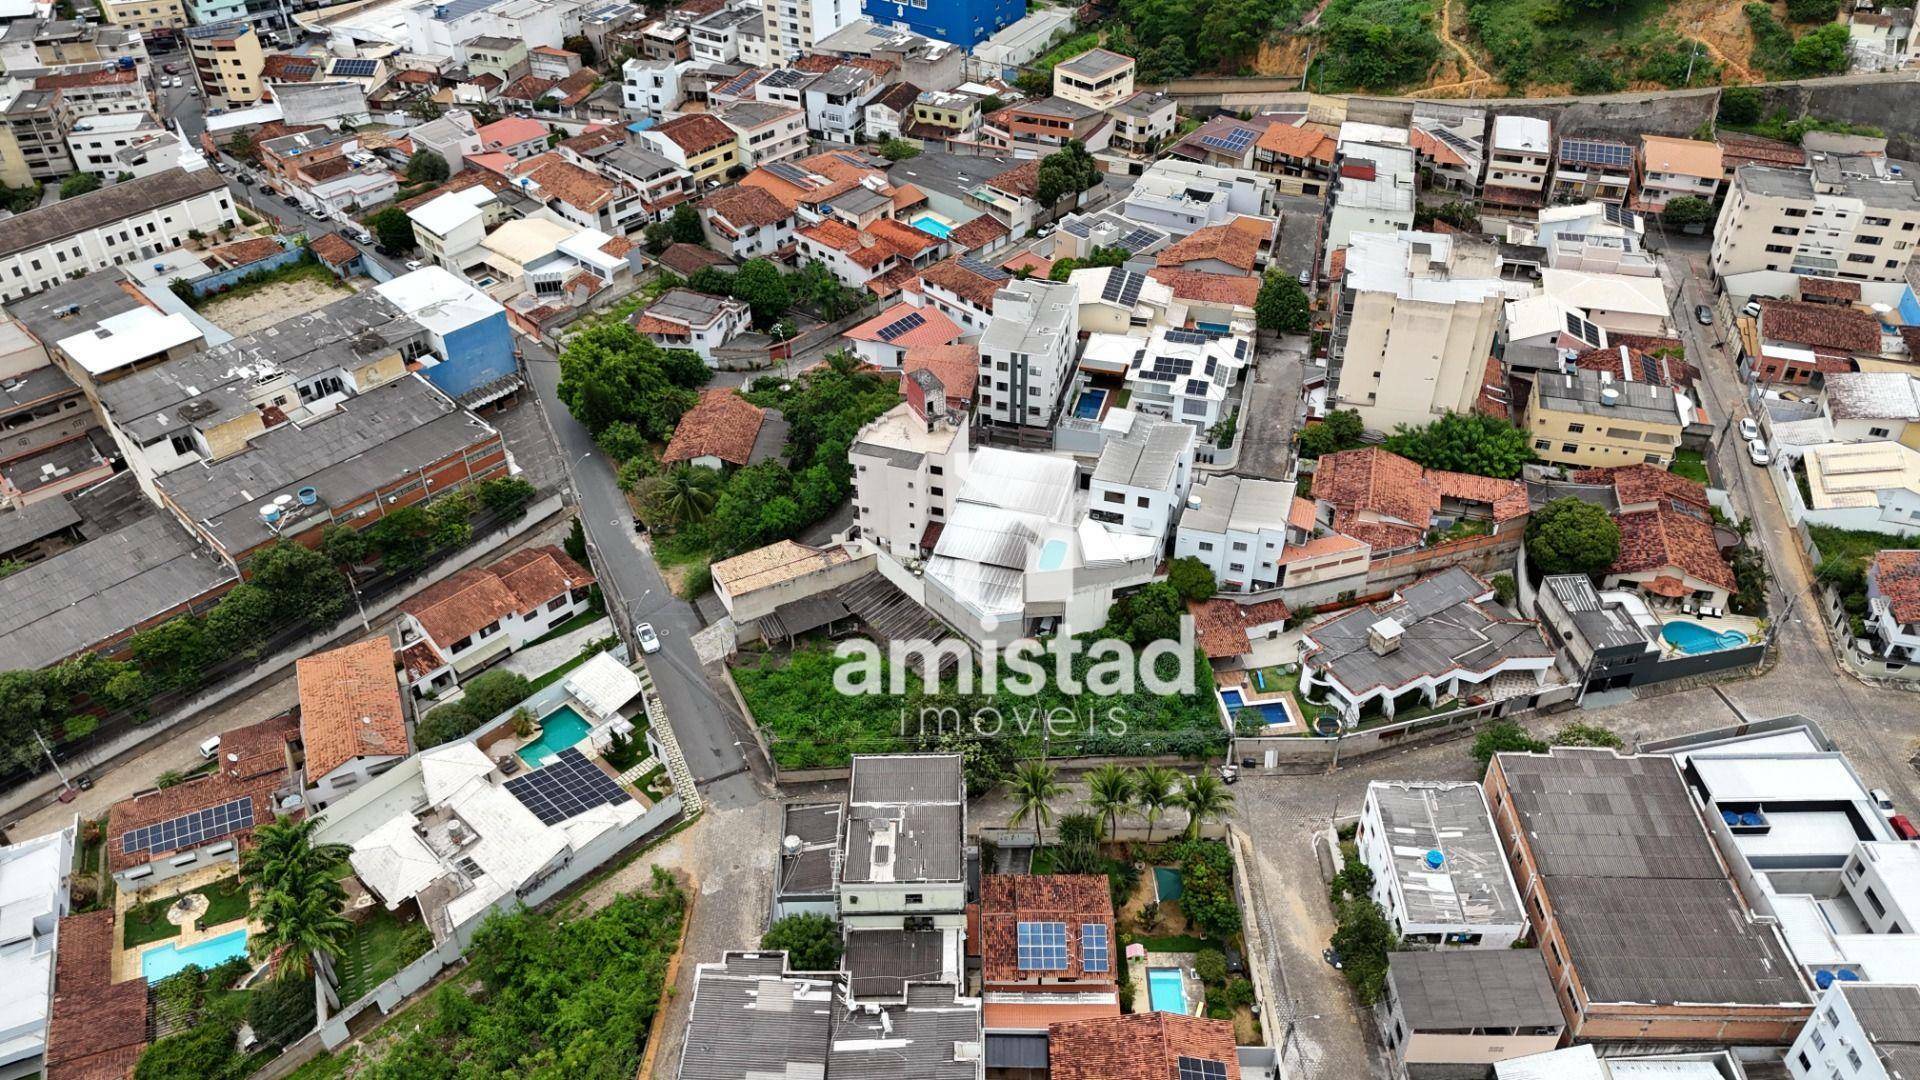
{"x": 1167, "y": 990}
{"x": 1088, "y": 407}
{"x": 1053, "y": 555}
{"x": 932, "y": 226}
{"x": 559, "y": 729}
{"x": 170, "y": 959}
{"x": 1693, "y": 639}
{"x": 1275, "y": 712}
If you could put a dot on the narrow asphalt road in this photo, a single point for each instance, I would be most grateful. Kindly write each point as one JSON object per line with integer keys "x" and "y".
{"x": 712, "y": 736}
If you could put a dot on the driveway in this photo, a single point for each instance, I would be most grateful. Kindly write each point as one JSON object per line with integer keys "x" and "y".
{"x": 1273, "y": 409}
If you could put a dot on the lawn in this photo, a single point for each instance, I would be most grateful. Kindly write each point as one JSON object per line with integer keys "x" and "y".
{"x": 147, "y": 923}
{"x": 380, "y": 946}
{"x": 1690, "y": 464}
{"x": 1460, "y": 530}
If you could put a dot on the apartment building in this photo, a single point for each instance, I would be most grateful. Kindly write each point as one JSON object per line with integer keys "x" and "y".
{"x": 1188, "y": 375}
{"x": 1519, "y": 159}
{"x": 1141, "y": 479}
{"x": 1845, "y": 218}
{"x": 1860, "y": 1031}
{"x": 54, "y": 44}
{"x": 1097, "y": 78}
{"x": 37, "y": 123}
{"x": 102, "y": 90}
{"x": 698, "y": 143}
{"x": 765, "y": 132}
{"x": 1373, "y": 187}
{"x": 1414, "y": 321}
{"x": 1671, "y": 168}
{"x": 97, "y": 141}
{"x": 1590, "y": 168}
{"x": 1240, "y": 528}
{"x": 142, "y": 16}
{"x": 652, "y": 87}
{"x": 1141, "y": 123}
{"x": 836, "y": 102}
{"x": 227, "y": 62}
{"x": 793, "y": 27}
{"x": 908, "y": 465}
{"x": 1026, "y": 354}
{"x": 1438, "y": 872}
{"x": 1591, "y": 418}
{"x": 110, "y": 227}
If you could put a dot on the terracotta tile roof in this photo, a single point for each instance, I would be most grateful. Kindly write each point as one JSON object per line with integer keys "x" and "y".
{"x": 1494, "y": 398}
{"x": 1022, "y": 180}
{"x": 461, "y": 604}
{"x": 619, "y": 247}
{"x": 1006, "y": 900}
{"x": 899, "y": 97}
{"x": 96, "y": 1028}
{"x": 592, "y": 139}
{"x": 893, "y": 281}
{"x": 1659, "y": 539}
{"x": 574, "y": 88}
{"x": 101, "y": 77}
{"x": 350, "y": 706}
{"x": 777, "y": 563}
{"x": 1320, "y": 547}
{"x": 862, "y": 249}
{"x": 325, "y": 169}
{"x": 1309, "y": 143}
{"x": 1143, "y": 1046}
{"x": 1737, "y": 149}
{"x": 818, "y": 64}
{"x": 1830, "y": 288}
{"x": 242, "y": 252}
{"x": 421, "y": 659}
{"x": 1034, "y": 265}
{"x": 906, "y": 241}
{"x": 255, "y": 775}
{"x": 1374, "y": 482}
{"x": 697, "y": 133}
{"x": 285, "y": 67}
{"x": 1302, "y": 514}
{"x": 421, "y": 78}
{"x": 964, "y": 283}
{"x": 722, "y": 424}
{"x": 584, "y": 280}
{"x": 333, "y": 249}
{"x": 1427, "y": 145}
{"x": 460, "y": 181}
{"x": 1896, "y": 576}
{"x": 996, "y": 1015}
{"x": 1637, "y": 365}
{"x": 1221, "y": 624}
{"x": 511, "y": 131}
{"x": 1635, "y": 485}
{"x": 1685, "y": 157}
{"x": 978, "y": 233}
{"x": 1236, "y": 247}
{"x": 1240, "y": 290}
{"x": 747, "y": 207}
{"x": 956, "y": 366}
{"x": 561, "y": 179}
{"x": 527, "y": 88}
{"x": 684, "y": 259}
{"x": 934, "y": 328}
{"x": 1823, "y": 325}
{"x": 1337, "y": 264}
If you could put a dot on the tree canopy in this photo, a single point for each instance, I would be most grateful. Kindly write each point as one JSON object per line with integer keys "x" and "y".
{"x": 1503, "y": 737}
{"x": 1374, "y": 45}
{"x": 1687, "y": 211}
{"x": 811, "y": 941}
{"x": 684, "y": 226}
{"x": 1065, "y": 172}
{"x": 609, "y": 373}
{"x": 1282, "y": 304}
{"x": 1191, "y": 578}
{"x": 1568, "y": 536}
{"x": 761, "y": 287}
{"x": 1465, "y": 442}
{"x": 1339, "y": 430}
{"x": 427, "y": 167}
{"x": 393, "y": 228}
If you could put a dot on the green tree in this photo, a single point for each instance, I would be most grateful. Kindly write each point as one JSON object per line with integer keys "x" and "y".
{"x": 684, "y": 226}
{"x": 1504, "y": 589}
{"x": 687, "y": 493}
{"x": 761, "y": 287}
{"x": 1034, "y": 787}
{"x": 1065, "y": 172}
{"x": 452, "y": 518}
{"x": 280, "y": 1011}
{"x": 1149, "y": 615}
{"x": 1465, "y": 442}
{"x": 297, "y": 897}
{"x": 1822, "y": 51}
{"x": 711, "y": 280}
{"x": 898, "y": 150}
{"x": 1583, "y": 734}
{"x": 393, "y": 228}
{"x": 1282, "y": 304}
{"x": 1110, "y": 792}
{"x": 1567, "y": 536}
{"x": 1363, "y": 939}
{"x": 401, "y": 538}
{"x": 79, "y": 184}
{"x": 1154, "y": 788}
{"x": 22, "y": 199}
{"x": 202, "y": 1051}
{"x": 241, "y": 620}
{"x": 608, "y": 373}
{"x": 1503, "y": 737}
{"x": 505, "y": 495}
{"x": 241, "y": 148}
{"x": 1739, "y": 106}
{"x": 1205, "y": 798}
{"x": 343, "y": 545}
{"x": 1811, "y": 11}
{"x": 427, "y": 167}
{"x": 811, "y": 942}
{"x": 1191, "y": 578}
{"x": 174, "y": 654}
{"x": 622, "y": 441}
{"x": 1687, "y": 211}
{"x": 1339, "y": 430}
{"x": 302, "y": 581}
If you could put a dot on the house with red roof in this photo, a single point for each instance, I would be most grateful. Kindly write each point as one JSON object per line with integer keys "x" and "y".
{"x": 885, "y": 339}
{"x": 1045, "y": 943}
{"x": 725, "y": 429}
{"x": 457, "y": 626}
{"x": 746, "y": 222}
{"x": 1396, "y": 505}
{"x": 518, "y": 137}
{"x": 353, "y": 726}
{"x": 1142, "y": 1046}
{"x": 1672, "y": 557}
{"x": 685, "y": 319}
{"x": 854, "y": 257}
{"x": 1801, "y": 339}
{"x": 1300, "y": 152}
{"x": 1893, "y": 604}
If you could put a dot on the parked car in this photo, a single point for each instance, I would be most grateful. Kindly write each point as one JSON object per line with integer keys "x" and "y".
{"x": 649, "y": 641}
{"x": 1704, "y": 314}
{"x": 1749, "y": 428}
{"x": 1757, "y": 452}
{"x": 414, "y": 264}
{"x": 1752, "y": 310}
{"x": 170, "y": 69}
{"x": 290, "y": 201}
{"x": 363, "y": 236}
{"x": 210, "y": 747}
{"x": 1903, "y": 828}
{"x": 1881, "y": 799}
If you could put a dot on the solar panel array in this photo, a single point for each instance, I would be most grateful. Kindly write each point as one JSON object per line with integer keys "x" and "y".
{"x": 189, "y": 830}
{"x": 1042, "y": 946}
{"x": 1077, "y": 226}
{"x": 1187, "y": 337}
{"x": 901, "y": 325}
{"x": 791, "y": 173}
{"x": 1453, "y": 139}
{"x": 1093, "y": 947}
{"x": 1193, "y": 1068}
{"x": 1168, "y": 368}
{"x": 983, "y": 269}
{"x": 1232, "y": 142}
{"x": 1123, "y": 286}
{"x": 1621, "y": 216}
{"x": 1139, "y": 240}
{"x": 354, "y": 69}
{"x": 1595, "y": 152}
{"x": 787, "y": 78}
{"x": 739, "y": 82}
{"x": 569, "y": 787}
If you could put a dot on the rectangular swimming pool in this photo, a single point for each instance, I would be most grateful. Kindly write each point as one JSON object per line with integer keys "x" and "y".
{"x": 1166, "y": 990}
{"x": 1088, "y": 407}
{"x": 1275, "y": 712}
{"x": 559, "y": 729}
{"x": 932, "y": 226}
{"x": 158, "y": 963}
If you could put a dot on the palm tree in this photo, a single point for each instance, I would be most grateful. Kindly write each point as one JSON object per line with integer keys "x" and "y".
{"x": 1034, "y": 788}
{"x": 1204, "y": 797}
{"x": 1153, "y": 789}
{"x": 297, "y": 898}
{"x": 1110, "y": 792}
{"x": 685, "y": 495}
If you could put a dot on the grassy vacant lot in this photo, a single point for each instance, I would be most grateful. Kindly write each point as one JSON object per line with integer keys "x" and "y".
{"x": 1690, "y": 464}
{"x": 1550, "y": 43}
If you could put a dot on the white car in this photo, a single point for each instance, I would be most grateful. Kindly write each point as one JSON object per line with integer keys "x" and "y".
{"x": 1749, "y": 428}
{"x": 649, "y": 641}
{"x": 1757, "y": 452}
{"x": 414, "y": 264}
{"x": 1881, "y": 799}
{"x": 363, "y": 236}
{"x": 210, "y": 747}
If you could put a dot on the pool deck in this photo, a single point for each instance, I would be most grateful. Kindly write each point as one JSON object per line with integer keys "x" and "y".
{"x": 1137, "y": 968}
{"x": 126, "y": 962}
{"x": 1242, "y": 680}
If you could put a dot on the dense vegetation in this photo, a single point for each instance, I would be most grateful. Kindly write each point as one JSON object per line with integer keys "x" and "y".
{"x": 811, "y": 941}
{"x": 1592, "y": 48}
{"x": 1374, "y": 45}
{"x": 487, "y": 695}
{"x": 1465, "y": 442}
{"x": 1568, "y": 536}
{"x": 1174, "y": 38}
{"x": 1778, "y": 54}
{"x": 610, "y": 374}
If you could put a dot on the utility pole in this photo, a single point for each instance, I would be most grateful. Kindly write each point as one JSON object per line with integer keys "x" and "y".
{"x": 47, "y": 750}
{"x": 1691, "y": 57}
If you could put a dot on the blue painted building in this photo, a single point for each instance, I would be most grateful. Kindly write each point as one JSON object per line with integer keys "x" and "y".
{"x": 965, "y": 23}
{"x": 468, "y": 334}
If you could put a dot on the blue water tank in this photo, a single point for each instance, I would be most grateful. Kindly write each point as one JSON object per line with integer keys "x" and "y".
{"x": 1823, "y": 978}
{"x": 126, "y": 63}
{"x": 1434, "y": 860}
{"x": 1849, "y": 976}
{"x": 308, "y": 496}
{"x": 1731, "y": 817}
{"x": 1752, "y": 817}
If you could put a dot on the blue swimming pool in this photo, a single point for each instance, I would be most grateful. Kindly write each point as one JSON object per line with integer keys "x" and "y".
{"x": 1275, "y": 712}
{"x": 1053, "y": 555}
{"x": 1088, "y": 407}
{"x": 1692, "y": 638}
{"x": 560, "y": 729}
{"x": 158, "y": 963}
{"x": 932, "y": 226}
{"x": 1166, "y": 990}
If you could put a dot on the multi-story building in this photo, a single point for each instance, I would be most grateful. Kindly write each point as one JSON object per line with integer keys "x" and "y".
{"x": 960, "y": 23}
{"x": 450, "y": 227}
{"x": 658, "y": 185}
{"x": 1141, "y": 123}
{"x": 54, "y": 44}
{"x": 903, "y": 870}
{"x": 1841, "y": 217}
{"x": 715, "y": 38}
{"x": 1590, "y": 418}
{"x": 795, "y": 26}
{"x": 1097, "y": 78}
{"x": 1450, "y": 141}
{"x": 102, "y": 90}
{"x": 1373, "y": 188}
{"x": 1302, "y": 156}
{"x": 459, "y": 625}
{"x": 1026, "y": 354}
{"x": 942, "y": 114}
{"x": 908, "y": 465}
{"x": 117, "y": 225}
{"x": 37, "y": 124}
{"x": 1240, "y": 528}
{"x": 765, "y": 132}
{"x": 451, "y": 135}
{"x": 1449, "y": 1014}
{"x": 1893, "y": 604}
{"x": 652, "y": 87}
{"x": 836, "y": 102}
{"x": 97, "y": 141}
{"x": 1437, "y": 869}
{"x": 1592, "y": 168}
{"x": 1414, "y": 321}
{"x": 1860, "y": 1031}
{"x": 1671, "y": 168}
{"x": 746, "y": 222}
{"x": 227, "y": 61}
{"x": 1519, "y": 157}
{"x": 353, "y": 726}
{"x": 698, "y": 143}
{"x": 144, "y": 16}
{"x": 504, "y": 58}
{"x": 1140, "y": 481}
{"x": 1188, "y": 375}
{"x": 684, "y": 319}
{"x": 1032, "y": 129}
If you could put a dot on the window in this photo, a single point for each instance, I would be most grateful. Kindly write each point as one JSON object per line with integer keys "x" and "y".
{"x": 1205, "y": 546}
{"x": 1569, "y": 448}
{"x": 1873, "y": 901}
{"x": 916, "y": 898}
{"x": 1541, "y": 444}
{"x": 1575, "y": 429}
{"x": 1113, "y": 496}
{"x": 1853, "y": 1059}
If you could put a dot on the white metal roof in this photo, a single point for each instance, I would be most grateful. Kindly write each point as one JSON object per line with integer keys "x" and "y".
{"x": 448, "y": 212}
{"x": 1798, "y": 778}
{"x": 438, "y": 300}
{"x": 1031, "y": 483}
{"x": 603, "y": 684}
{"x": 119, "y": 340}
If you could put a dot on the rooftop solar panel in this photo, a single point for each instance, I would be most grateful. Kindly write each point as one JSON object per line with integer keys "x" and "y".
{"x": 1093, "y": 947}
{"x": 1042, "y": 946}
{"x": 902, "y": 325}
{"x": 1139, "y": 240}
{"x": 1595, "y": 152}
{"x": 1234, "y": 141}
{"x": 1193, "y": 1068}
{"x": 569, "y": 787}
{"x": 189, "y": 830}
{"x": 984, "y": 269}
{"x": 354, "y": 69}
{"x": 1455, "y": 140}
{"x": 791, "y": 173}
{"x": 1620, "y": 215}
{"x": 1187, "y": 337}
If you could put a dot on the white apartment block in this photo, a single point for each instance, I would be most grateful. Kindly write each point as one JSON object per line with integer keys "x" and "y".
{"x": 1373, "y": 193}
{"x": 908, "y": 466}
{"x": 110, "y": 227}
{"x": 1439, "y": 872}
{"x": 1184, "y": 197}
{"x": 96, "y": 140}
{"x": 715, "y": 38}
{"x": 1860, "y": 1032}
{"x": 1097, "y": 78}
{"x": 1142, "y": 476}
{"x": 1840, "y": 218}
{"x": 1238, "y": 527}
{"x": 794, "y": 26}
{"x": 652, "y": 87}
{"x": 1518, "y": 161}
{"x": 1413, "y": 325}
{"x": 1188, "y": 375}
{"x": 766, "y": 132}
{"x": 1026, "y": 355}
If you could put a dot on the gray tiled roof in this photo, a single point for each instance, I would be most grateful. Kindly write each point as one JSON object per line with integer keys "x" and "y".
{"x": 933, "y": 1037}
{"x": 906, "y": 819}
{"x": 879, "y": 963}
{"x": 810, "y": 870}
{"x": 76, "y": 215}
{"x": 749, "y": 1023}
{"x": 1444, "y": 628}
{"x": 1458, "y": 989}
{"x": 23, "y": 525}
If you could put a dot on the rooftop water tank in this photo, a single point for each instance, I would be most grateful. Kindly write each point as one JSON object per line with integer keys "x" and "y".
{"x": 1823, "y": 978}
{"x": 1848, "y": 975}
{"x": 1435, "y": 860}
{"x": 1731, "y": 817}
{"x": 309, "y": 496}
